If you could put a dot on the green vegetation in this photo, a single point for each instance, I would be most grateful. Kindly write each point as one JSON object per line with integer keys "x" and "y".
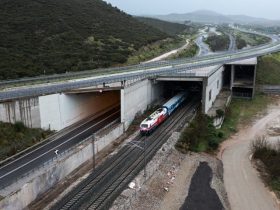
{"x": 155, "y": 49}
{"x": 268, "y": 70}
{"x": 166, "y": 27}
{"x": 269, "y": 155}
{"x": 17, "y": 137}
{"x": 188, "y": 52}
{"x": 243, "y": 39}
{"x": 39, "y": 36}
{"x": 218, "y": 42}
{"x": 242, "y": 111}
{"x": 240, "y": 43}
{"x": 201, "y": 135}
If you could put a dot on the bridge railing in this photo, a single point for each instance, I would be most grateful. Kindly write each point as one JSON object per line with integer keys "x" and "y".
{"x": 102, "y": 71}
{"x": 131, "y": 75}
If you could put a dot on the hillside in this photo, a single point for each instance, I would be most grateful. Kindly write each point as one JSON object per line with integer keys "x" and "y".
{"x": 49, "y": 36}
{"x": 218, "y": 42}
{"x": 268, "y": 70}
{"x": 205, "y": 16}
{"x": 202, "y": 16}
{"x": 164, "y": 26}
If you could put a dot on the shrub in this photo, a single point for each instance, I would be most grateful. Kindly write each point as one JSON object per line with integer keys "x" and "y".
{"x": 200, "y": 136}
{"x": 269, "y": 155}
{"x": 19, "y": 127}
{"x": 221, "y": 134}
{"x": 259, "y": 147}
{"x": 220, "y": 113}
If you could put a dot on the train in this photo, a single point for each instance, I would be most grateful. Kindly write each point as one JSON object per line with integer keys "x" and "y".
{"x": 160, "y": 115}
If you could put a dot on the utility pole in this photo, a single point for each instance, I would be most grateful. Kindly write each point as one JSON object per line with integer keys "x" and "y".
{"x": 93, "y": 148}
{"x": 134, "y": 144}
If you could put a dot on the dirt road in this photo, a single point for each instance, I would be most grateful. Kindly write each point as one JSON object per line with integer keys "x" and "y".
{"x": 244, "y": 188}
{"x": 166, "y": 55}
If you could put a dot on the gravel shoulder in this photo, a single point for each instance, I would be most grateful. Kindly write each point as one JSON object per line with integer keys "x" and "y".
{"x": 170, "y": 175}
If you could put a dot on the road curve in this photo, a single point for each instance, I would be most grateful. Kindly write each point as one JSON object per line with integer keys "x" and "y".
{"x": 139, "y": 72}
{"x": 245, "y": 189}
{"x": 203, "y": 47}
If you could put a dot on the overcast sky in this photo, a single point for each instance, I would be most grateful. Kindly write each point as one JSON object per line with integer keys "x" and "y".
{"x": 258, "y": 8}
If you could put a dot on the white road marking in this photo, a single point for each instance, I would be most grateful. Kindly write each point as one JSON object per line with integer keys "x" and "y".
{"x": 56, "y": 146}
{"x": 80, "y": 125}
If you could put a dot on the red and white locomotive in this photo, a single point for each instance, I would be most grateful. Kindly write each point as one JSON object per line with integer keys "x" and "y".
{"x": 156, "y": 118}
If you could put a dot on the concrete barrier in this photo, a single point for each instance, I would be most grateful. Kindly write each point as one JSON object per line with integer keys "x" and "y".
{"x": 22, "y": 193}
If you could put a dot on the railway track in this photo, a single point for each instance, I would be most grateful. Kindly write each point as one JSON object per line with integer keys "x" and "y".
{"x": 101, "y": 188}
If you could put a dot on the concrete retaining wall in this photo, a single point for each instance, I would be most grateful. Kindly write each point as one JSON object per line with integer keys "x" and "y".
{"x": 104, "y": 140}
{"x": 43, "y": 179}
{"x": 213, "y": 88}
{"x": 29, "y": 188}
{"x": 24, "y": 110}
{"x": 58, "y": 111}
{"x": 137, "y": 97}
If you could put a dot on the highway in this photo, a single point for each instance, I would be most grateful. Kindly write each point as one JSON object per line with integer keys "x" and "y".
{"x": 137, "y": 72}
{"x": 203, "y": 47}
{"x": 32, "y": 160}
{"x": 232, "y": 44}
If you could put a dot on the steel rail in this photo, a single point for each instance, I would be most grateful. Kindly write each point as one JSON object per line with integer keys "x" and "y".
{"x": 70, "y": 200}
{"x": 104, "y": 200}
{"x": 110, "y": 165}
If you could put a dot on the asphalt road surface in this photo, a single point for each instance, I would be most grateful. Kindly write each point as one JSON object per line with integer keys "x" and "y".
{"x": 32, "y": 160}
{"x": 203, "y": 47}
{"x": 232, "y": 44}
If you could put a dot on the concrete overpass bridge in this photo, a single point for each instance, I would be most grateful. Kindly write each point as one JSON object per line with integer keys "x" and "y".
{"x": 61, "y": 104}
{"x": 57, "y": 105}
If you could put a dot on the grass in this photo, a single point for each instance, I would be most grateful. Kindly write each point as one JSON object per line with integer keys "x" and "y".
{"x": 268, "y": 70}
{"x": 269, "y": 155}
{"x": 201, "y": 136}
{"x": 243, "y": 111}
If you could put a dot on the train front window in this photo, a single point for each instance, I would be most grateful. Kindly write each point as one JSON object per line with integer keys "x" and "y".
{"x": 144, "y": 126}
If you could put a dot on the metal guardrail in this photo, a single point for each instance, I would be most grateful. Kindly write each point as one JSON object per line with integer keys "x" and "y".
{"x": 142, "y": 71}
{"x": 270, "y": 89}
{"x": 142, "y": 66}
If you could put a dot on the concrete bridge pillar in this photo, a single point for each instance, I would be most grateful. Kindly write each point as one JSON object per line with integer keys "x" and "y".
{"x": 232, "y": 76}
{"x": 137, "y": 97}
